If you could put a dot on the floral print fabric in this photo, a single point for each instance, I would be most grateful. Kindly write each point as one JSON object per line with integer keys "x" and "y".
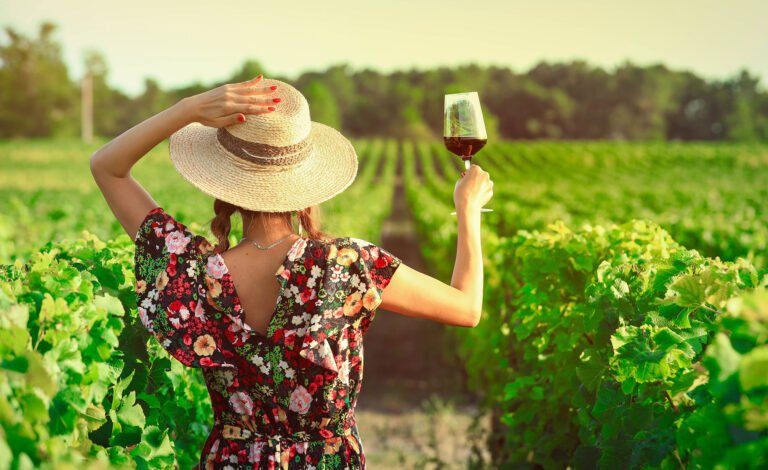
{"x": 281, "y": 400}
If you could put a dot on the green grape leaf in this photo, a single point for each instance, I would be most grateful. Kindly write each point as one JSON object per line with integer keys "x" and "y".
{"x": 754, "y": 369}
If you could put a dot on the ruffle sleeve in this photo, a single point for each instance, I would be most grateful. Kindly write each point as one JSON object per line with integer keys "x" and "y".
{"x": 171, "y": 293}
{"x": 355, "y": 274}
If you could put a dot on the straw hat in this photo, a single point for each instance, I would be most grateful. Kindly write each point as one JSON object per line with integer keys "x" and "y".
{"x": 278, "y": 161}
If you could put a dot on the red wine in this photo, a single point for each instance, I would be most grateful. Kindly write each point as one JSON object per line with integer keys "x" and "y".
{"x": 465, "y": 147}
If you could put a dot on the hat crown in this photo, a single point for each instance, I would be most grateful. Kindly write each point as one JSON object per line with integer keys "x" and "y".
{"x": 276, "y": 161}
{"x": 289, "y": 124}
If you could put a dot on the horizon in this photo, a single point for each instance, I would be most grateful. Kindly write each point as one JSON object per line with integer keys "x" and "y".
{"x": 712, "y": 40}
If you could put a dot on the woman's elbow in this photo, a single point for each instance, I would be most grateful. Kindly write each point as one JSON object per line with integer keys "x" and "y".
{"x": 472, "y": 319}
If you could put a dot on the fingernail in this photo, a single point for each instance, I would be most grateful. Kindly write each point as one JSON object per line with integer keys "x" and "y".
{"x": 463, "y": 173}
{"x": 276, "y": 100}
{"x": 271, "y": 108}
{"x": 273, "y": 87}
{"x": 258, "y": 77}
{"x": 241, "y": 117}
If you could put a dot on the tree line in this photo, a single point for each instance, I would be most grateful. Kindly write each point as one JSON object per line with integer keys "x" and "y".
{"x": 564, "y": 100}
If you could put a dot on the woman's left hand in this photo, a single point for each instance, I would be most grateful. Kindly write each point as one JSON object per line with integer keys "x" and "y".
{"x": 229, "y": 103}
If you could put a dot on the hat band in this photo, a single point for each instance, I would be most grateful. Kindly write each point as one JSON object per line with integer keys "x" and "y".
{"x": 264, "y": 154}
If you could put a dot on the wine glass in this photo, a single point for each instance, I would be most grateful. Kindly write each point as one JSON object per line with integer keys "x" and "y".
{"x": 464, "y": 129}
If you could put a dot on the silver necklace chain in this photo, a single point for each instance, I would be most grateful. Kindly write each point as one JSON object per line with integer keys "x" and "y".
{"x": 267, "y": 247}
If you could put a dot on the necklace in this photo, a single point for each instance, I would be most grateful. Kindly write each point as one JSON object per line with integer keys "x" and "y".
{"x": 268, "y": 247}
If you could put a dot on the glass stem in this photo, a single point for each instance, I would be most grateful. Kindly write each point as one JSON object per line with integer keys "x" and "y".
{"x": 467, "y": 163}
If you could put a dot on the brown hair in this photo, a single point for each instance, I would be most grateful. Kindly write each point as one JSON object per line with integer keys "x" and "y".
{"x": 221, "y": 224}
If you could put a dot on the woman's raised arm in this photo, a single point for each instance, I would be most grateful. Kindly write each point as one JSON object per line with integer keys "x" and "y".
{"x": 416, "y": 294}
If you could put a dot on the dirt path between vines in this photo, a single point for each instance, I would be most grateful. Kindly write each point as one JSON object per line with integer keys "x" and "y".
{"x": 414, "y": 410}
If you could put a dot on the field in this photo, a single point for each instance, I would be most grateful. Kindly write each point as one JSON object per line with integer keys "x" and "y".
{"x": 625, "y": 318}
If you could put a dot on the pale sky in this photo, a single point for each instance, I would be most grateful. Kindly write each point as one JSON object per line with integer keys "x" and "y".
{"x": 179, "y": 42}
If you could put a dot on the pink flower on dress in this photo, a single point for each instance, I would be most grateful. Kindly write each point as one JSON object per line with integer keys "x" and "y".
{"x": 177, "y": 242}
{"x": 300, "y": 400}
{"x": 199, "y": 312}
{"x": 145, "y": 320}
{"x": 297, "y": 250}
{"x": 216, "y": 267}
{"x": 241, "y": 403}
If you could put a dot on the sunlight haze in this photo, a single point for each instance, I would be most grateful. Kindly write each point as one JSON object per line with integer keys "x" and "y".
{"x": 179, "y": 42}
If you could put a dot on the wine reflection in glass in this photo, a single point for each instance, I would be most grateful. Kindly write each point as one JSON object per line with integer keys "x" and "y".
{"x": 464, "y": 129}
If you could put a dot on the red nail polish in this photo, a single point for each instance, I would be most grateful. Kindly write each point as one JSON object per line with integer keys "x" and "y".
{"x": 258, "y": 77}
{"x": 241, "y": 117}
{"x": 276, "y": 100}
{"x": 273, "y": 87}
{"x": 271, "y": 108}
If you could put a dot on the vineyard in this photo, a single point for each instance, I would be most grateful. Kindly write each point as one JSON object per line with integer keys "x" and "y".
{"x": 625, "y": 318}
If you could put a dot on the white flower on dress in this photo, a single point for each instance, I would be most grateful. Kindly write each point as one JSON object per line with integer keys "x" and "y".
{"x": 297, "y": 250}
{"x": 354, "y": 280}
{"x": 254, "y": 455}
{"x": 263, "y": 366}
{"x": 216, "y": 267}
{"x": 228, "y": 376}
{"x": 311, "y": 282}
{"x": 177, "y": 242}
{"x": 344, "y": 373}
{"x": 192, "y": 268}
{"x": 336, "y": 275}
{"x": 154, "y": 294}
{"x": 257, "y": 360}
{"x": 241, "y": 403}
{"x": 145, "y": 320}
{"x": 316, "y": 271}
{"x": 289, "y": 372}
{"x": 300, "y": 400}
{"x": 184, "y": 313}
{"x": 147, "y": 304}
{"x": 238, "y": 328}
{"x": 299, "y": 319}
{"x": 344, "y": 277}
{"x": 300, "y": 332}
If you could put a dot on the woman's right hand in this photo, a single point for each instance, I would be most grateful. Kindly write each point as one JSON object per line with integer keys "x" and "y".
{"x": 229, "y": 103}
{"x": 473, "y": 189}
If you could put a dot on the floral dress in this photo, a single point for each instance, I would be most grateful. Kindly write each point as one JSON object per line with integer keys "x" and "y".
{"x": 284, "y": 400}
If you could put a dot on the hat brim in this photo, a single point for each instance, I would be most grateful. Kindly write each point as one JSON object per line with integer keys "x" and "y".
{"x": 327, "y": 171}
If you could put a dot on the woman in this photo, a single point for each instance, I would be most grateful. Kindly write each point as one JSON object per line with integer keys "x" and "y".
{"x": 276, "y": 322}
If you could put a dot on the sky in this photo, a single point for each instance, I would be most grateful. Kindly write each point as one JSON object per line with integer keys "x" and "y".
{"x": 180, "y": 42}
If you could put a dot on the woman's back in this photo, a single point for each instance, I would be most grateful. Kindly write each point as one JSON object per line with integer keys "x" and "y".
{"x": 283, "y": 398}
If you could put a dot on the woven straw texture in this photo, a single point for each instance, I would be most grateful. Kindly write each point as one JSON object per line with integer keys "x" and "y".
{"x": 273, "y": 162}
